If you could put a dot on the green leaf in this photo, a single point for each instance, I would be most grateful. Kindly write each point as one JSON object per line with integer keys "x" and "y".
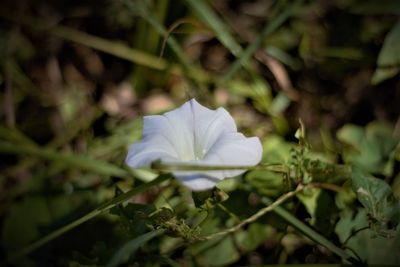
{"x": 280, "y": 103}
{"x": 396, "y": 186}
{"x": 346, "y": 196}
{"x": 372, "y": 149}
{"x": 388, "y": 64}
{"x": 371, "y": 248}
{"x": 377, "y": 198}
{"x": 134, "y": 217}
{"x": 316, "y": 201}
{"x": 252, "y": 237}
{"x": 309, "y": 199}
{"x": 321, "y": 171}
{"x": 267, "y": 183}
{"x": 352, "y": 135}
{"x": 276, "y": 149}
{"x": 130, "y": 247}
{"x": 258, "y": 90}
{"x": 222, "y": 253}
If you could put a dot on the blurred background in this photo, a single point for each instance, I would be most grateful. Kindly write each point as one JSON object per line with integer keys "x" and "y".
{"x": 77, "y": 77}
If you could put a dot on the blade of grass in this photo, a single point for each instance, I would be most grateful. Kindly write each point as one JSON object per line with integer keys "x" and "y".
{"x": 310, "y": 233}
{"x": 75, "y": 161}
{"x": 114, "y": 47}
{"x": 268, "y": 29}
{"x": 111, "y": 47}
{"x": 102, "y": 208}
{"x": 16, "y": 136}
{"x": 78, "y": 161}
{"x": 208, "y": 16}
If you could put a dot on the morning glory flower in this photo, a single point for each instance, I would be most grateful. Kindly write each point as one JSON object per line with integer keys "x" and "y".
{"x": 193, "y": 134}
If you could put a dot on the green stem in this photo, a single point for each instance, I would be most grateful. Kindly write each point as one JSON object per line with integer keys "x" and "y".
{"x": 257, "y": 215}
{"x": 310, "y": 233}
{"x": 106, "y": 206}
{"x": 159, "y": 166}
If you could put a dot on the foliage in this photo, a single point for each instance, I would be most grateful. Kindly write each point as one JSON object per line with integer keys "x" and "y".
{"x": 76, "y": 79}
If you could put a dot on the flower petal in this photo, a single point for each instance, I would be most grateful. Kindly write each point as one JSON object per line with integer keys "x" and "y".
{"x": 200, "y": 127}
{"x": 210, "y": 125}
{"x": 197, "y": 182}
{"x": 150, "y": 149}
{"x": 233, "y": 149}
{"x": 180, "y": 121}
{"x": 174, "y": 131}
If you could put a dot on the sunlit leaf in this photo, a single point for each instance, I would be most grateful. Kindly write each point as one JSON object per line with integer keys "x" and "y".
{"x": 377, "y": 198}
{"x": 276, "y": 149}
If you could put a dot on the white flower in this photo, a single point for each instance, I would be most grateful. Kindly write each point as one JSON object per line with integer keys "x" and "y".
{"x": 195, "y": 135}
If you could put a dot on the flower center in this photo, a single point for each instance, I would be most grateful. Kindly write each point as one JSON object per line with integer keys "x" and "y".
{"x": 199, "y": 153}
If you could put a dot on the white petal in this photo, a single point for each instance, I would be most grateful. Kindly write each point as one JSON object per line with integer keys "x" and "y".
{"x": 209, "y": 126}
{"x": 197, "y": 182}
{"x": 174, "y": 131}
{"x": 150, "y": 149}
{"x": 199, "y": 126}
{"x": 233, "y": 149}
{"x": 181, "y": 123}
